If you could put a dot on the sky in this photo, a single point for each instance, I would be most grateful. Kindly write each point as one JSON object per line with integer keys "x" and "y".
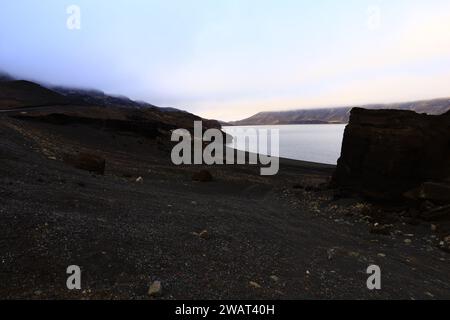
{"x": 229, "y": 59}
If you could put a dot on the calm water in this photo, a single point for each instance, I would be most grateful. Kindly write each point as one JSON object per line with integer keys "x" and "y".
{"x": 316, "y": 143}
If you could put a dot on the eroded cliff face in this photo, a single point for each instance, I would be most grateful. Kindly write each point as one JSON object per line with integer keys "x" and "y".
{"x": 386, "y": 153}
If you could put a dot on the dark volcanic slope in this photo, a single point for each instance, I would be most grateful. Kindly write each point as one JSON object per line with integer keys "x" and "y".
{"x": 339, "y": 115}
{"x": 20, "y": 94}
{"x": 125, "y": 233}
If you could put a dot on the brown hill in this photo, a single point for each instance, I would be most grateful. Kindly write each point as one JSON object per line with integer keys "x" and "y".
{"x": 340, "y": 114}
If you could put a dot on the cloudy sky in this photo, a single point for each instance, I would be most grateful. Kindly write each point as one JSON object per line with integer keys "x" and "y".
{"x": 228, "y": 59}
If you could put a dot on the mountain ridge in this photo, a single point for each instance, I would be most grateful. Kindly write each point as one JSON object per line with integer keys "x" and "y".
{"x": 67, "y": 105}
{"x": 22, "y": 93}
{"x": 339, "y": 115}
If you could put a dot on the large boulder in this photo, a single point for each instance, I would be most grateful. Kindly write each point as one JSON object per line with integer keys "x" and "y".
{"x": 386, "y": 153}
{"x": 86, "y": 161}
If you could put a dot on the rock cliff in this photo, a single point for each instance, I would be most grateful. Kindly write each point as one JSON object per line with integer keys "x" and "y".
{"x": 387, "y": 153}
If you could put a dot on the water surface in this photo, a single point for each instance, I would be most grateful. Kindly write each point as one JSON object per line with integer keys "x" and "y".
{"x": 315, "y": 143}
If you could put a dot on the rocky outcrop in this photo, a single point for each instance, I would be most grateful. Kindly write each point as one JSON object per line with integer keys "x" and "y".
{"x": 387, "y": 153}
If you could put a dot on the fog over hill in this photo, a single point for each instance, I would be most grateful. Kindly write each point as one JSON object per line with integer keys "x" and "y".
{"x": 339, "y": 114}
{"x": 5, "y": 76}
{"x": 64, "y": 105}
{"x": 22, "y": 93}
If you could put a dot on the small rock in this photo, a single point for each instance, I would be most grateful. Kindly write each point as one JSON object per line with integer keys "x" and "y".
{"x": 433, "y": 227}
{"x": 381, "y": 255}
{"x": 380, "y": 229}
{"x": 407, "y": 241}
{"x": 202, "y": 176}
{"x": 445, "y": 244}
{"x": 140, "y": 180}
{"x": 274, "y": 278}
{"x": 155, "y": 289}
{"x": 255, "y": 285}
{"x": 203, "y": 234}
{"x": 330, "y": 254}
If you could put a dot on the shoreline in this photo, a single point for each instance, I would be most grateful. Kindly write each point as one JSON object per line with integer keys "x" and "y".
{"x": 293, "y": 163}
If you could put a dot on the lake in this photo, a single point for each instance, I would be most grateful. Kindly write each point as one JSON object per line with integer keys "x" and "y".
{"x": 315, "y": 143}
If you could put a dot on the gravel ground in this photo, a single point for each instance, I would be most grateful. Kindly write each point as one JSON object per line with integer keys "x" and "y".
{"x": 241, "y": 236}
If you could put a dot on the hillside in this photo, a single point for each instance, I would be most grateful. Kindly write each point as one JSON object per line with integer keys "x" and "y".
{"x": 339, "y": 114}
{"x": 23, "y": 94}
{"x": 58, "y": 104}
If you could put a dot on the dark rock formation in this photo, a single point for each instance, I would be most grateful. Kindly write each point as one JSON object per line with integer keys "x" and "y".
{"x": 86, "y": 161}
{"x": 386, "y": 153}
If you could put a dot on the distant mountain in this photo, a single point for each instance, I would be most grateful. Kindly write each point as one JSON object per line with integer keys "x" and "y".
{"x": 340, "y": 114}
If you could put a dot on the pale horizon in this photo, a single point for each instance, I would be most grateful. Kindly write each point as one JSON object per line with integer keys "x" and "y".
{"x": 230, "y": 60}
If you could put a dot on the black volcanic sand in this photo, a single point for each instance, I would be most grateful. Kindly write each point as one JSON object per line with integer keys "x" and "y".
{"x": 125, "y": 234}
